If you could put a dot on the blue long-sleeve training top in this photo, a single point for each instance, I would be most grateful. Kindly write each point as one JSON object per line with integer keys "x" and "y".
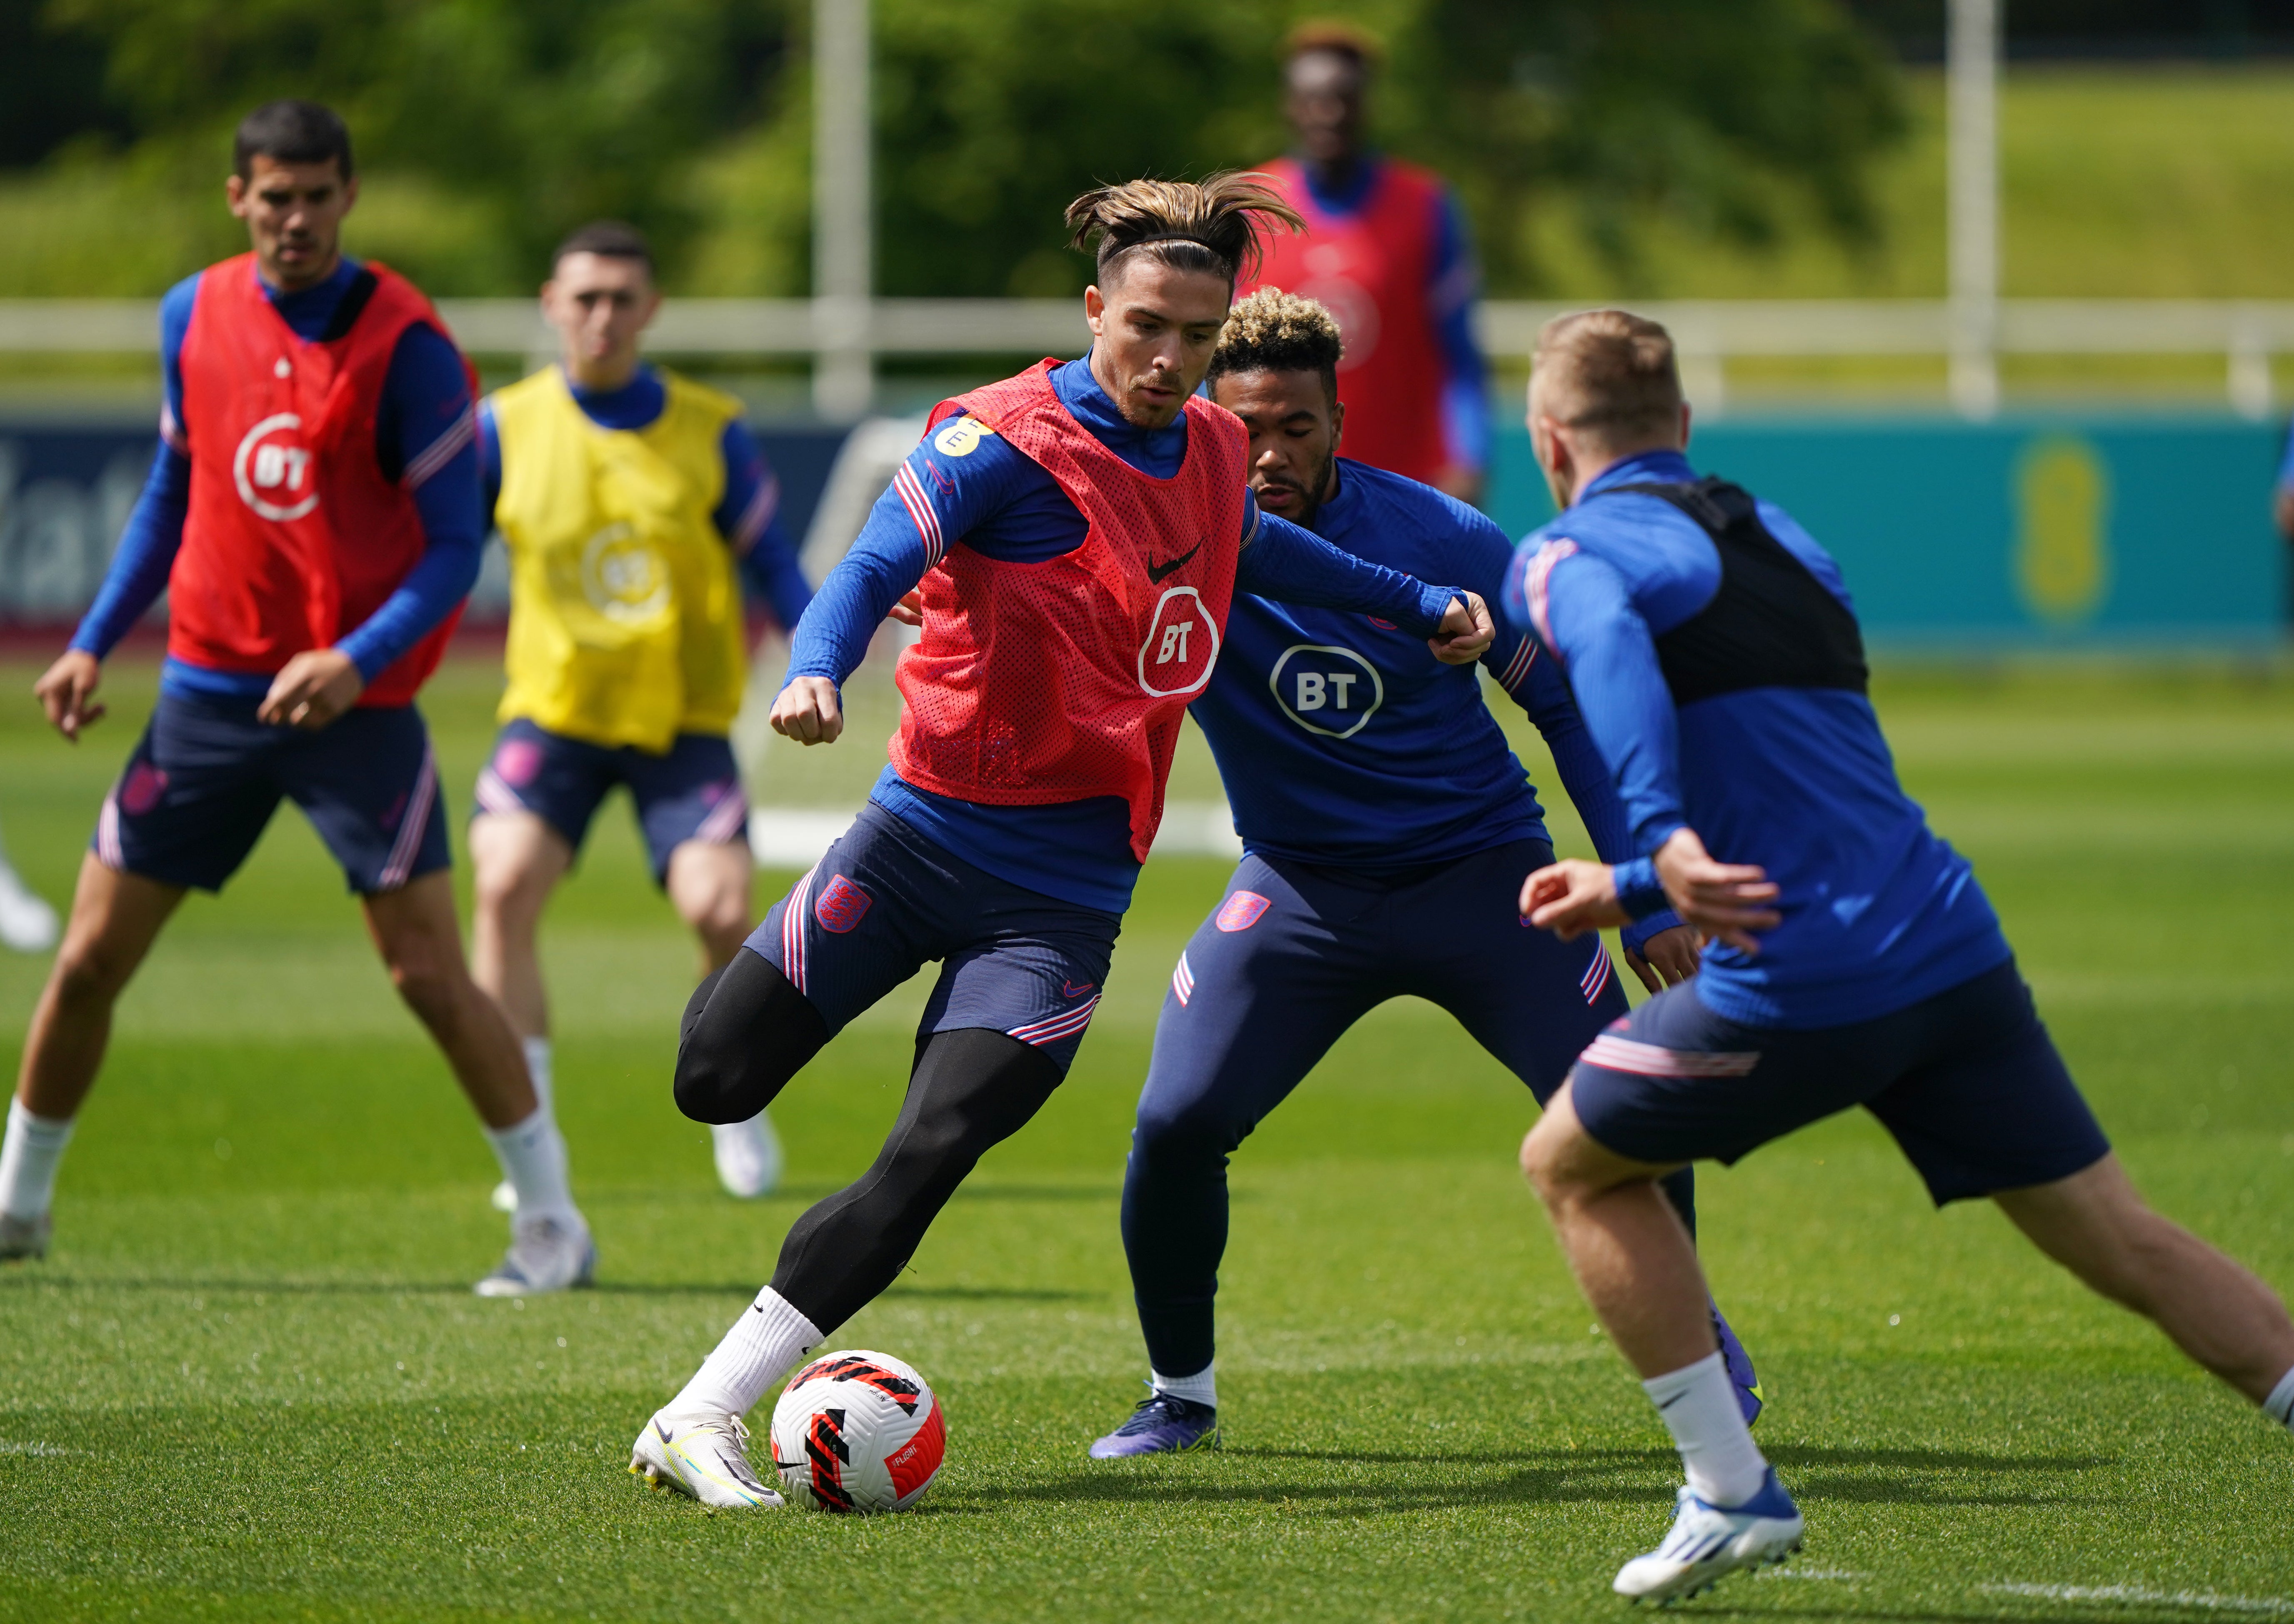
{"x": 747, "y": 517}
{"x": 426, "y": 403}
{"x": 1002, "y": 504}
{"x": 1878, "y": 913}
{"x": 1453, "y": 277}
{"x": 1344, "y": 742}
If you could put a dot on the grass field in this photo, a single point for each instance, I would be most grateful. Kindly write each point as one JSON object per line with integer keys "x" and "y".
{"x": 250, "y": 1383}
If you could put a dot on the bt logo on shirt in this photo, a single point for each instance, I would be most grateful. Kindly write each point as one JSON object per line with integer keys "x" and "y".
{"x": 1326, "y": 689}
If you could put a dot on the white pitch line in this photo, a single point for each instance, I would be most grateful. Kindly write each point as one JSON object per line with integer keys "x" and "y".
{"x": 1793, "y": 1572}
{"x": 2204, "y": 1599}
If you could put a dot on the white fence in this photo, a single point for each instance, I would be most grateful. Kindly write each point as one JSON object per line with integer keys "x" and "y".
{"x": 1711, "y": 332}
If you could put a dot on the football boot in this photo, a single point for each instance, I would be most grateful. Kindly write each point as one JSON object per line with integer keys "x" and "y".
{"x": 545, "y": 1254}
{"x": 1707, "y": 1543}
{"x": 1163, "y": 1424}
{"x": 748, "y": 1157}
{"x": 702, "y": 1455}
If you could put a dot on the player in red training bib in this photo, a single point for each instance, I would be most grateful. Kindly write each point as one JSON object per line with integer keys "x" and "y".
{"x": 1386, "y": 251}
{"x": 1075, "y": 535}
{"x": 313, "y": 515}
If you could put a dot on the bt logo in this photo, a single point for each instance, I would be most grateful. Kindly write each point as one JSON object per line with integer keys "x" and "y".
{"x": 1326, "y": 689}
{"x": 273, "y": 470}
{"x": 1181, "y": 646}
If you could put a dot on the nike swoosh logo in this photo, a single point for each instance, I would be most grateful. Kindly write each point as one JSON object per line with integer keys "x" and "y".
{"x": 1674, "y": 1400}
{"x": 1070, "y": 990}
{"x": 1156, "y": 572}
{"x": 663, "y": 1431}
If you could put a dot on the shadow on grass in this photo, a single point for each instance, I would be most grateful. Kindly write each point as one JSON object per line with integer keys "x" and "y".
{"x": 461, "y": 1288}
{"x": 1919, "y": 1477}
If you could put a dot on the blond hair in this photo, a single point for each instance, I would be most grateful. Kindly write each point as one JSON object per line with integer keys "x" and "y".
{"x": 1211, "y": 225}
{"x": 1274, "y": 331}
{"x": 1610, "y": 372}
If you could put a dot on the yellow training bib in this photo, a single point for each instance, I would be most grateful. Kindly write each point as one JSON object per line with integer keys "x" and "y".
{"x": 625, "y": 623}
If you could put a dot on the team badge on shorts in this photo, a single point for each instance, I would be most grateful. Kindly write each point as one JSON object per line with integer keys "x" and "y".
{"x": 145, "y": 787}
{"x": 841, "y": 905}
{"x": 1241, "y": 911}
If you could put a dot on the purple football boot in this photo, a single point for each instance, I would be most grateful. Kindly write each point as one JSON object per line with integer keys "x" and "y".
{"x": 1741, "y": 1374}
{"x": 1163, "y": 1424}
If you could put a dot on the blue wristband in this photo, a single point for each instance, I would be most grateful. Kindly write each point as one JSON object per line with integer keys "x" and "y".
{"x": 1638, "y": 891}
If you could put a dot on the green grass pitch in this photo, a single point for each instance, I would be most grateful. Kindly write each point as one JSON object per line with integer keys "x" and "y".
{"x": 250, "y": 1383}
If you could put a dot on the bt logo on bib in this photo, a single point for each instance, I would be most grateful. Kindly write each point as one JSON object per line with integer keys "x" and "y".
{"x": 1181, "y": 644}
{"x": 273, "y": 470}
{"x": 1326, "y": 689}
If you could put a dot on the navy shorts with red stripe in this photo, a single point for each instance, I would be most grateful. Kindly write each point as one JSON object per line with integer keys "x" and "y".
{"x": 206, "y": 777}
{"x": 885, "y": 900}
{"x": 1968, "y": 1081}
{"x": 692, "y": 792}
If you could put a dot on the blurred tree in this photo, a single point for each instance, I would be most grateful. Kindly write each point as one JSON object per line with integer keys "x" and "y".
{"x": 1714, "y": 112}
{"x": 546, "y": 112}
{"x": 507, "y": 121}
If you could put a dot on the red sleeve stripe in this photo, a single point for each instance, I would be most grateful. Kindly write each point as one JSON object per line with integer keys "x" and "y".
{"x": 1517, "y": 668}
{"x": 442, "y": 451}
{"x": 1541, "y": 569}
{"x": 759, "y": 513}
{"x": 920, "y": 508}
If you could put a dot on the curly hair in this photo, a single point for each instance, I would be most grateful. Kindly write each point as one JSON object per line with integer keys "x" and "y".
{"x": 1274, "y": 331}
{"x": 1211, "y": 225}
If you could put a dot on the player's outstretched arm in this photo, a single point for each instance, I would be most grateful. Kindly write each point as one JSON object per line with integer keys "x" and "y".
{"x": 809, "y": 711}
{"x": 66, "y": 691}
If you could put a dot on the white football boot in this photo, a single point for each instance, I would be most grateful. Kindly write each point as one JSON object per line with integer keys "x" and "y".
{"x": 545, "y": 1254}
{"x": 505, "y": 1197}
{"x": 748, "y": 1157}
{"x": 26, "y": 922}
{"x": 23, "y": 1238}
{"x": 704, "y": 1455}
{"x": 1708, "y": 1543}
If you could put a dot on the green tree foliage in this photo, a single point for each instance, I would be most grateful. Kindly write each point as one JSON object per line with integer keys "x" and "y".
{"x": 507, "y": 121}
{"x": 545, "y": 112}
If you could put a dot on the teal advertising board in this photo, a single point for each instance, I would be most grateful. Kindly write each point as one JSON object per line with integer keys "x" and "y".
{"x": 2089, "y": 533}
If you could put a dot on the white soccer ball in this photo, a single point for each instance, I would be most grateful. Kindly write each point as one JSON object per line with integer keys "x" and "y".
{"x": 858, "y": 1431}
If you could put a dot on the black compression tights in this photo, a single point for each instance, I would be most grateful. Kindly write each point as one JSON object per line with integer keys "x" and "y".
{"x": 746, "y": 1032}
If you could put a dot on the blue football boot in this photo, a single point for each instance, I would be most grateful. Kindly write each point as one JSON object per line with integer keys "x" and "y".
{"x": 1163, "y": 1424}
{"x": 1741, "y": 1374}
{"x": 1707, "y": 1543}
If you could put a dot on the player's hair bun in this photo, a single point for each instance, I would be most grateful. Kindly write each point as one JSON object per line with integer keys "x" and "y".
{"x": 1210, "y": 225}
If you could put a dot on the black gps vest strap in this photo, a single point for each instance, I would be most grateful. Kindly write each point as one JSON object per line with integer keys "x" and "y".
{"x": 1771, "y": 625}
{"x": 351, "y": 305}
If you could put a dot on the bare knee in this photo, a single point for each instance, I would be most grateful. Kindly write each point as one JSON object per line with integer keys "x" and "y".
{"x": 431, "y": 983}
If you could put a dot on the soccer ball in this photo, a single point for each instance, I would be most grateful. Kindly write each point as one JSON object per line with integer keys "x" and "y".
{"x": 858, "y": 1431}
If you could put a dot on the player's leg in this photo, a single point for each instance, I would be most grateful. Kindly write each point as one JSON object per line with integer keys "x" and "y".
{"x": 1533, "y": 1001}
{"x": 696, "y": 821}
{"x": 190, "y": 805}
{"x": 368, "y": 783}
{"x": 1994, "y": 1112}
{"x": 866, "y": 917}
{"x": 114, "y": 918}
{"x": 1266, "y": 985}
{"x": 535, "y": 797}
{"x": 2217, "y": 1312}
{"x": 1022, "y": 975}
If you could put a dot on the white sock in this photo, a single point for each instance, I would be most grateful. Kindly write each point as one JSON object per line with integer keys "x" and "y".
{"x": 533, "y": 1157}
{"x": 2278, "y": 1406}
{"x": 29, "y": 1155}
{"x": 1725, "y": 1466}
{"x": 1200, "y": 1388}
{"x": 768, "y": 1337}
{"x": 537, "y": 1064}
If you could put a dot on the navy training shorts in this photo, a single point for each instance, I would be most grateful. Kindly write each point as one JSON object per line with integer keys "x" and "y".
{"x": 1295, "y": 954}
{"x": 693, "y": 792}
{"x": 206, "y": 776}
{"x": 1968, "y": 1081}
{"x": 885, "y": 900}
